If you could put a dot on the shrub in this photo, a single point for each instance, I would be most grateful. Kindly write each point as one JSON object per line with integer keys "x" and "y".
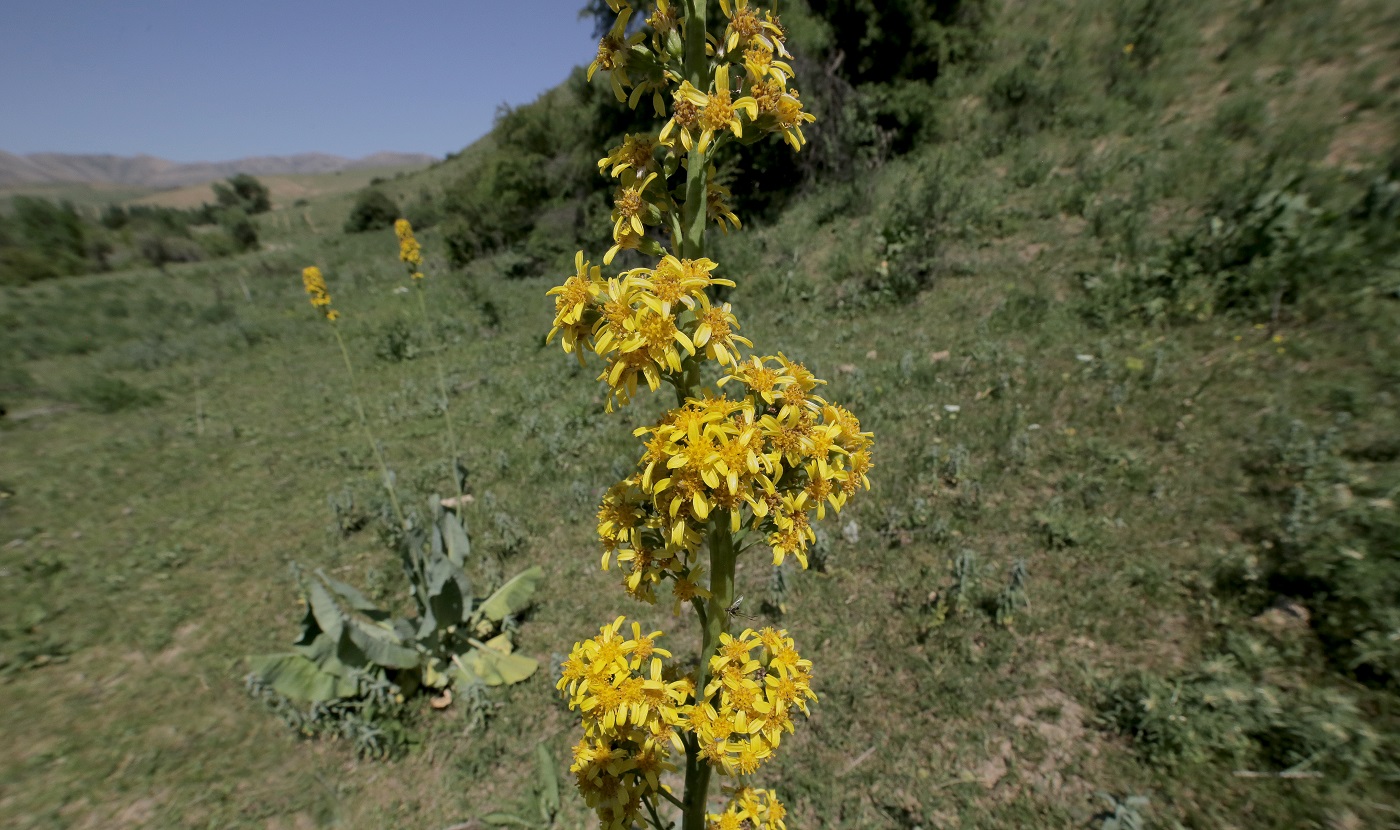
{"x": 241, "y": 229}
{"x": 373, "y": 210}
{"x": 1264, "y": 245}
{"x": 1335, "y": 544}
{"x": 107, "y": 394}
{"x": 1225, "y": 711}
{"x": 243, "y": 192}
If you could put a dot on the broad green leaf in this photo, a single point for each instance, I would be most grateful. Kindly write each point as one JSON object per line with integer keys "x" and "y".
{"x": 446, "y": 594}
{"x": 320, "y": 649}
{"x": 459, "y": 546}
{"x": 354, "y": 598}
{"x": 349, "y": 652}
{"x": 434, "y": 678}
{"x": 549, "y": 783}
{"x": 501, "y": 643}
{"x": 462, "y": 676}
{"x": 382, "y": 646}
{"x": 513, "y": 596}
{"x": 310, "y": 630}
{"x": 497, "y": 669}
{"x": 427, "y": 634}
{"x": 328, "y": 615}
{"x": 300, "y": 679}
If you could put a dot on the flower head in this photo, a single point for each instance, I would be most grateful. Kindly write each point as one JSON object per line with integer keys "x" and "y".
{"x": 409, "y": 251}
{"x": 320, "y": 296}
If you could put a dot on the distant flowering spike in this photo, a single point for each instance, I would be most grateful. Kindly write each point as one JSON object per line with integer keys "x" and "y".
{"x": 319, "y": 295}
{"x": 409, "y": 251}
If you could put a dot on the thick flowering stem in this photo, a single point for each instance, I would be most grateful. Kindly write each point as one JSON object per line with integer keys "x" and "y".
{"x": 369, "y": 436}
{"x": 442, "y": 390}
{"x": 692, "y": 241}
{"x": 722, "y": 558}
{"x": 691, "y": 245}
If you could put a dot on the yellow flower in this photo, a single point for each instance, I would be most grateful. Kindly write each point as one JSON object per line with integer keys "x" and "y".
{"x": 613, "y": 51}
{"x": 760, "y": 63}
{"x": 790, "y": 117}
{"x": 572, "y": 300}
{"x": 629, "y": 240}
{"x": 745, "y": 28}
{"x": 631, "y": 210}
{"x": 409, "y": 250}
{"x": 319, "y": 295}
{"x": 635, "y": 153}
{"x": 717, "y": 209}
{"x": 675, "y": 283}
{"x": 714, "y": 332}
{"x": 717, "y": 111}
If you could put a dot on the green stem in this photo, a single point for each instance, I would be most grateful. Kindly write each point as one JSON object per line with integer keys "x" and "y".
{"x": 364, "y": 425}
{"x": 442, "y": 390}
{"x": 716, "y": 622}
{"x": 655, "y": 819}
{"x": 691, "y": 245}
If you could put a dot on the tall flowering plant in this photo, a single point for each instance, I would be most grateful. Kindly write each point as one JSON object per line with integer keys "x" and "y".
{"x": 744, "y": 464}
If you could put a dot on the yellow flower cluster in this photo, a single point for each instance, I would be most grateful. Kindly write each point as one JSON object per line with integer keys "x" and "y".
{"x": 630, "y": 715}
{"x": 751, "y": 89}
{"x": 757, "y": 680}
{"x": 645, "y": 323}
{"x": 765, "y": 462}
{"x": 744, "y": 461}
{"x": 750, "y": 809}
{"x": 634, "y": 714}
{"x": 410, "y": 253}
{"x": 315, "y": 285}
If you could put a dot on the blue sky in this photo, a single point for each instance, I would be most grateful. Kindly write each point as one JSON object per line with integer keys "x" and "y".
{"x": 201, "y": 80}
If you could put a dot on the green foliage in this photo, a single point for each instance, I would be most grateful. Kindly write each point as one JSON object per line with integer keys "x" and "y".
{"x": 242, "y": 192}
{"x": 1122, "y": 814}
{"x": 397, "y": 342}
{"x": 353, "y": 657}
{"x": 959, "y": 598}
{"x": 1013, "y": 598}
{"x": 240, "y": 228}
{"x": 373, "y": 210}
{"x": 1228, "y": 709}
{"x": 545, "y": 797}
{"x": 107, "y": 394}
{"x": 1335, "y": 545}
{"x": 41, "y": 240}
{"x": 1263, "y": 246}
{"x": 1029, "y": 95}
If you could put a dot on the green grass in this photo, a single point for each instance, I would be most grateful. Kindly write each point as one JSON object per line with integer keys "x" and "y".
{"x": 145, "y": 550}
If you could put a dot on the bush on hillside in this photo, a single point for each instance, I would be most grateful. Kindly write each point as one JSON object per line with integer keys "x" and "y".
{"x": 1265, "y": 244}
{"x": 243, "y": 192}
{"x": 1335, "y": 545}
{"x": 240, "y": 228}
{"x": 373, "y": 210}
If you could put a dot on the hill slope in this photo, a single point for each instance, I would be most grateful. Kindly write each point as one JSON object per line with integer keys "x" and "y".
{"x": 157, "y": 173}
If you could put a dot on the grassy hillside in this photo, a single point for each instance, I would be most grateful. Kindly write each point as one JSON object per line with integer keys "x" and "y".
{"x": 91, "y": 196}
{"x": 285, "y": 190}
{"x": 1123, "y": 321}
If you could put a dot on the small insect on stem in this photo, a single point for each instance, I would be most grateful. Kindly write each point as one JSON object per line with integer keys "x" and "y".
{"x": 733, "y": 609}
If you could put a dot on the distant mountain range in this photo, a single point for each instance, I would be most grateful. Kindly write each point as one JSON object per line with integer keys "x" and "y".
{"x": 149, "y": 171}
